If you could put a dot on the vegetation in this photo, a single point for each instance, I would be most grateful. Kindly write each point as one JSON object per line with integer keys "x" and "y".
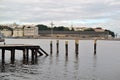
{"x": 111, "y": 33}
{"x": 89, "y": 29}
{"x": 5, "y": 27}
{"x": 59, "y": 28}
{"x": 42, "y": 27}
{"x": 62, "y": 28}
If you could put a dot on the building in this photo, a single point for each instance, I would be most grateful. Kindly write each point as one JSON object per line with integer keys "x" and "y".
{"x": 80, "y": 28}
{"x": 99, "y": 29}
{"x": 18, "y": 32}
{"x": 6, "y": 32}
{"x": 30, "y": 31}
{"x": 75, "y": 34}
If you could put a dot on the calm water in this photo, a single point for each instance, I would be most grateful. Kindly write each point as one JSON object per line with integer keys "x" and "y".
{"x": 104, "y": 66}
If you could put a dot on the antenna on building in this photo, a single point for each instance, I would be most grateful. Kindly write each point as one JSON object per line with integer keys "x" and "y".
{"x": 51, "y": 28}
{"x": 71, "y": 27}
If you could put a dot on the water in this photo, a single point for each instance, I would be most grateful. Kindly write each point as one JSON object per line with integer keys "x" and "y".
{"x": 104, "y": 66}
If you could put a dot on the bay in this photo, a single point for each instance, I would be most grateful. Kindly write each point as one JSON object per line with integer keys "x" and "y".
{"x": 86, "y": 66}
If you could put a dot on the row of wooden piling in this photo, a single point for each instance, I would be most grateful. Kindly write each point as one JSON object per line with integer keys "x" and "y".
{"x": 66, "y": 47}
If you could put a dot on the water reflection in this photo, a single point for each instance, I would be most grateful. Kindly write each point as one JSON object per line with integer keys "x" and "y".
{"x": 94, "y": 76}
{"x": 51, "y": 59}
{"x": 58, "y": 66}
{"x": 2, "y": 67}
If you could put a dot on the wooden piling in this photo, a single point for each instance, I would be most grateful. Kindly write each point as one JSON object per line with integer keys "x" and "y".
{"x": 12, "y": 56}
{"x": 76, "y": 46}
{"x": 57, "y": 46}
{"x": 3, "y": 56}
{"x": 27, "y": 55}
{"x": 66, "y": 47}
{"x": 32, "y": 56}
{"x": 95, "y": 44}
{"x": 36, "y": 57}
{"x": 24, "y": 56}
{"x": 51, "y": 47}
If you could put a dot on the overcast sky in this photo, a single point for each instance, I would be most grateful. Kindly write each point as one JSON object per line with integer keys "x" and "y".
{"x": 88, "y": 13}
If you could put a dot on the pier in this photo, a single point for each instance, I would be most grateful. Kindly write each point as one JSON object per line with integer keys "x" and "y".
{"x": 35, "y": 52}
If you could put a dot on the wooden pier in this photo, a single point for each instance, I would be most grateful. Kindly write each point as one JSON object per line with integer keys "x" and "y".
{"x": 35, "y": 50}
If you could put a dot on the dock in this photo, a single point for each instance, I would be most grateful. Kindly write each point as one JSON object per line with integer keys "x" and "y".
{"x": 36, "y": 51}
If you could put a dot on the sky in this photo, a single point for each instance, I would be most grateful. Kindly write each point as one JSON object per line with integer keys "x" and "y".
{"x": 78, "y": 13}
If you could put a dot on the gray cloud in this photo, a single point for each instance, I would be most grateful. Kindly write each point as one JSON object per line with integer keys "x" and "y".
{"x": 62, "y": 12}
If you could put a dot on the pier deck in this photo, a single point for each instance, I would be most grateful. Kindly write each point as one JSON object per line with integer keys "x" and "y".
{"x": 35, "y": 50}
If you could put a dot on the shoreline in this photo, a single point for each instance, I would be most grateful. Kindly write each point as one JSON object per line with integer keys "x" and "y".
{"x": 68, "y": 38}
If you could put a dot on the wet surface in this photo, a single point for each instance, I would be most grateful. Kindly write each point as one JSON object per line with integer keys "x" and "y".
{"x": 57, "y": 66}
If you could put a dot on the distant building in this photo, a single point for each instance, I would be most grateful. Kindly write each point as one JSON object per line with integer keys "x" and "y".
{"x": 78, "y": 34}
{"x": 30, "y": 31}
{"x": 80, "y": 28}
{"x": 6, "y": 32}
{"x": 18, "y": 32}
{"x": 99, "y": 29}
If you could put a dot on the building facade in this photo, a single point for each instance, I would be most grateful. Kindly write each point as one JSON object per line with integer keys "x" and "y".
{"x": 18, "y": 32}
{"x": 6, "y": 33}
{"x": 30, "y": 31}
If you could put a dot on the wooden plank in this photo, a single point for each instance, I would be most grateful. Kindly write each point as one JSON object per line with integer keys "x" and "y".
{"x": 43, "y": 51}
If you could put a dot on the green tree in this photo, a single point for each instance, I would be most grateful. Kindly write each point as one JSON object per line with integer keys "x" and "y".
{"x": 42, "y": 27}
{"x": 111, "y": 33}
{"x": 61, "y": 28}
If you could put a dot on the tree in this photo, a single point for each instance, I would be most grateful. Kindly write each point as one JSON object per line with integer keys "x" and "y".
{"x": 89, "y": 29}
{"x": 5, "y": 27}
{"x": 111, "y": 33}
{"x": 42, "y": 27}
{"x": 61, "y": 28}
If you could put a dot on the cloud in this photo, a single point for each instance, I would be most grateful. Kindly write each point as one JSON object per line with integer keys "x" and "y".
{"x": 80, "y": 12}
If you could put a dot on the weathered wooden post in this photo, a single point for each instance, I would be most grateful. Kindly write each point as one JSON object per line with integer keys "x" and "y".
{"x": 3, "y": 56}
{"x": 32, "y": 56}
{"x": 76, "y": 46}
{"x": 24, "y": 55}
{"x": 36, "y": 57}
{"x": 27, "y": 55}
{"x": 12, "y": 56}
{"x": 66, "y": 47}
{"x": 57, "y": 45}
{"x": 95, "y": 44}
{"x": 51, "y": 47}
